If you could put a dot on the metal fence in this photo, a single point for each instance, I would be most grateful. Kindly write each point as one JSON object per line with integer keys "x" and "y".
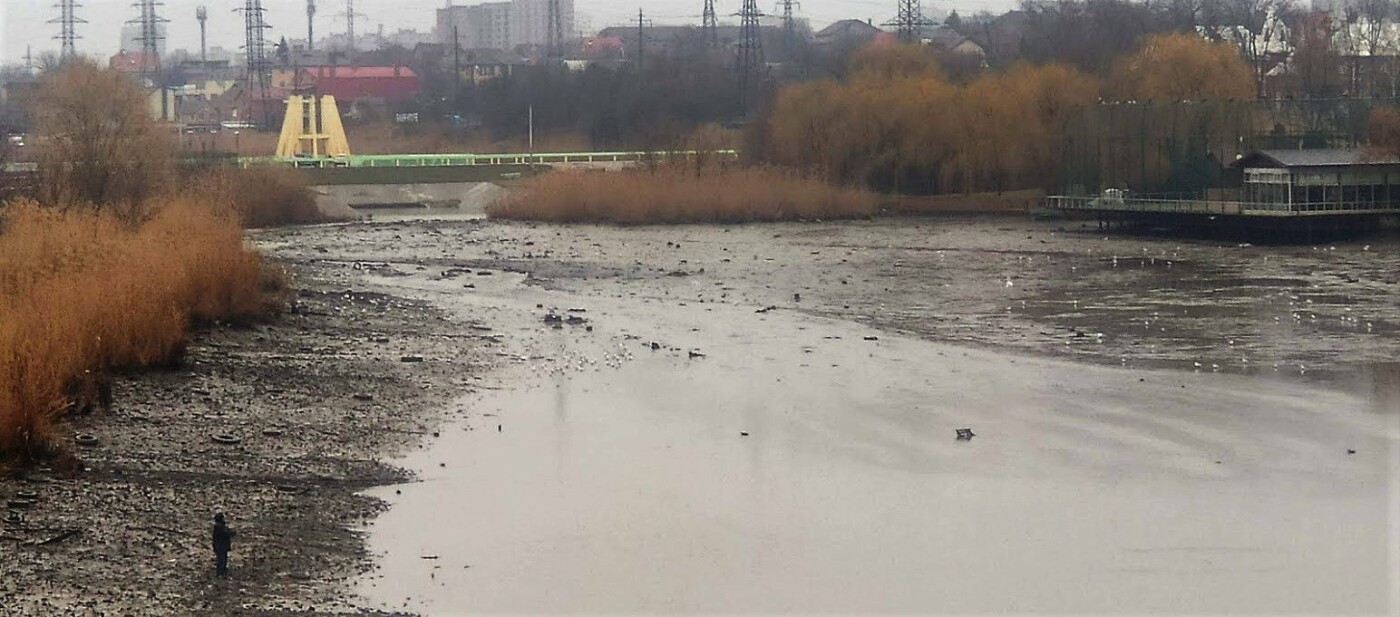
{"x": 1214, "y": 207}
{"x": 472, "y": 160}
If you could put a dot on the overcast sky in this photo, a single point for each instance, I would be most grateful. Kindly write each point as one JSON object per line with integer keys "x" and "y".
{"x": 23, "y": 22}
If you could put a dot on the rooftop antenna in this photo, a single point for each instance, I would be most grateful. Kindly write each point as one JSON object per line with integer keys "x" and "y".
{"x": 201, "y": 13}
{"x": 310, "y": 25}
{"x": 67, "y": 33}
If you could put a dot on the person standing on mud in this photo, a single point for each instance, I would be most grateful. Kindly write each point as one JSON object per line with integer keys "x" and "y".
{"x": 223, "y": 543}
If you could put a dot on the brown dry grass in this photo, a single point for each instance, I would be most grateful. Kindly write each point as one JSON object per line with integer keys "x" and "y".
{"x": 261, "y": 196}
{"x": 682, "y": 194}
{"x": 84, "y": 291}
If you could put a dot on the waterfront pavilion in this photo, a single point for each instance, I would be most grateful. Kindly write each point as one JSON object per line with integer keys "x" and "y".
{"x": 1319, "y": 181}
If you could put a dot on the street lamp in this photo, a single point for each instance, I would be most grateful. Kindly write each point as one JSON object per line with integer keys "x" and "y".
{"x": 237, "y": 151}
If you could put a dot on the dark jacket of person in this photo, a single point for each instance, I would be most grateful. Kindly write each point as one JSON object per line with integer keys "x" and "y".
{"x": 223, "y": 537}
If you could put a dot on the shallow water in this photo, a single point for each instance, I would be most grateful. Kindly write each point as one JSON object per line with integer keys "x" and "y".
{"x": 633, "y": 488}
{"x": 1109, "y": 473}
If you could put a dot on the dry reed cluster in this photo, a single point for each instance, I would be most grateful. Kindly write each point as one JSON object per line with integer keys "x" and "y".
{"x": 85, "y": 291}
{"x": 261, "y": 196}
{"x": 681, "y": 194}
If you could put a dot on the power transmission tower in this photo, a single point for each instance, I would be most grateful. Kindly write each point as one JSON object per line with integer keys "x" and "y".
{"x": 350, "y": 17}
{"x": 789, "y": 27}
{"x": 150, "y": 37}
{"x": 709, "y": 24}
{"x": 555, "y": 38}
{"x": 910, "y": 21}
{"x": 750, "y": 51}
{"x": 201, "y": 14}
{"x": 259, "y": 76}
{"x": 310, "y": 25}
{"x": 67, "y": 32}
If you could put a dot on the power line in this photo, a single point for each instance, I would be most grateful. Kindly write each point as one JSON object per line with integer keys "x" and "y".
{"x": 310, "y": 25}
{"x": 909, "y": 22}
{"x": 201, "y": 14}
{"x": 555, "y": 36}
{"x": 750, "y": 51}
{"x": 150, "y": 37}
{"x": 67, "y": 32}
{"x": 709, "y": 24}
{"x": 259, "y": 75}
{"x": 350, "y": 16}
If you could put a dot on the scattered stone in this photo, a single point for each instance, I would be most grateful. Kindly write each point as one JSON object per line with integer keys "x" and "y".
{"x": 766, "y": 309}
{"x": 696, "y": 354}
{"x": 655, "y": 345}
{"x": 1351, "y": 451}
{"x": 553, "y": 318}
{"x": 361, "y": 396}
{"x": 965, "y": 434}
{"x": 430, "y": 557}
{"x": 272, "y": 432}
{"x": 743, "y": 433}
{"x": 411, "y": 359}
{"x": 872, "y": 338}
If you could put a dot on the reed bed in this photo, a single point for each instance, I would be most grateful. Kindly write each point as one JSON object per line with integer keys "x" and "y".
{"x": 683, "y": 194}
{"x": 84, "y": 291}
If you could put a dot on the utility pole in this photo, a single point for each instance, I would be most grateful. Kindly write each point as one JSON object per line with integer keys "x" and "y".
{"x": 641, "y": 40}
{"x": 29, "y": 60}
{"x": 310, "y": 25}
{"x": 709, "y": 25}
{"x": 201, "y": 13}
{"x": 555, "y": 39}
{"x": 750, "y": 52}
{"x": 150, "y": 37}
{"x": 67, "y": 32}
{"x": 456, "y": 72}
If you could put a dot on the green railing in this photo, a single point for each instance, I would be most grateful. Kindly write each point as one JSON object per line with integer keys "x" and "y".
{"x": 472, "y": 160}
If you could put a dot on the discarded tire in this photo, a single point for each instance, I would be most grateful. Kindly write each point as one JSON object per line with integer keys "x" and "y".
{"x": 226, "y": 439}
{"x": 85, "y": 439}
{"x": 19, "y": 504}
{"x": 27, "y": 495}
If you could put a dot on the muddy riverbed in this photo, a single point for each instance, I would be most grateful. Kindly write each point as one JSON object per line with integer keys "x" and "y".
{"x": 759, "y": 419}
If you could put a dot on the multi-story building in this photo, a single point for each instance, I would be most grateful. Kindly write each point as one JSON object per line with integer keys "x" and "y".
{"x": 530, "y": 21}
{"x": 479, "y": 26}
{"x": 502, "y": 25}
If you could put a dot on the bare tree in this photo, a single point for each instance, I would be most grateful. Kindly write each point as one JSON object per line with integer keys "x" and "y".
{"x": 97, "y": 141}
{"x": 1258, "y": 28}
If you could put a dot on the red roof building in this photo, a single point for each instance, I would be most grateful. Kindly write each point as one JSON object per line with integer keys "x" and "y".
{"x": 353, "y": 83}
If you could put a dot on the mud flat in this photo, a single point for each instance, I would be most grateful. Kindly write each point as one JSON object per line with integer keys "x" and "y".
{"x": 762, "y": 418}
{"x": 313, "y": 401}
{"x": 758, "y": 419}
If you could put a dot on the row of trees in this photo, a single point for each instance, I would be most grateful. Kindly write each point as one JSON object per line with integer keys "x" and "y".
{"x": 1355, "y": 40}
{"x": 897, "y": 123}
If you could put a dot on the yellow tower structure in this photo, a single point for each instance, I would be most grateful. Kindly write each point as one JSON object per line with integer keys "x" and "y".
{"x": 312, "y": 128}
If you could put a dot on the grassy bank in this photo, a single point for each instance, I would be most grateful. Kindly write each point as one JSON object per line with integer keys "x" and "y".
{"x": 84, "y": 292}
{"x": 675, "y": 194}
